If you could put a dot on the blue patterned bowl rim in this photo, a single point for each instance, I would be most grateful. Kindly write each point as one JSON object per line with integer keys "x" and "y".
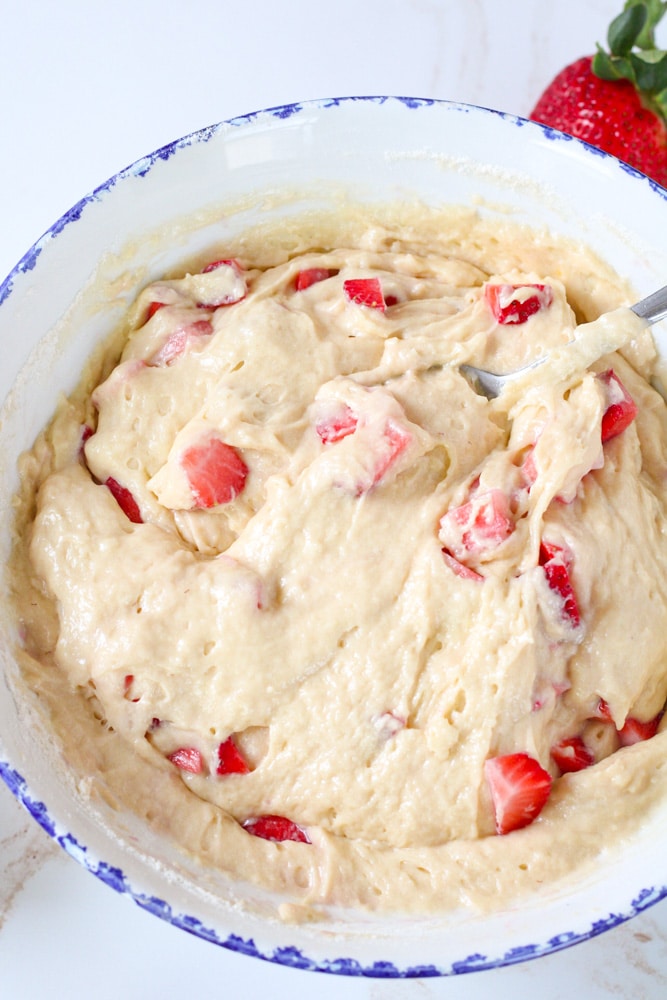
{"x": 113, "y": 876}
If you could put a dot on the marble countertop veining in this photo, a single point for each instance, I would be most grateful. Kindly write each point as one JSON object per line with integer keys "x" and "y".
{"x": 87, "y": 89}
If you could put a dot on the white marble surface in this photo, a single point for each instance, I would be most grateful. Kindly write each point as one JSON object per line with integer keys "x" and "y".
{"x": 86, "y": 89}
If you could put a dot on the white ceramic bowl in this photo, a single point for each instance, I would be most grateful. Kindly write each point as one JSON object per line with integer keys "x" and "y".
{"x": 376, "y": 149}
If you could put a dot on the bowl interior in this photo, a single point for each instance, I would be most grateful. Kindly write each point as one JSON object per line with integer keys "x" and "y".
{"x": 72, "y": 288}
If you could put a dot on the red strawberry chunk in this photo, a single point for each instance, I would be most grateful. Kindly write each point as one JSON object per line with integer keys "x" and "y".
{"x": 459, "y": 568}
{"x": 178, "y": 341}
{"x": 187, "y": 759}
{"x": 556, "y": 562}
{"x": 275, "y": 828}
{"x": 517, "y": 303}
{"x": 620, "y": 407}
{"x": 86, "y": 433}
{"x": 519, "y": 787}
{"x": 529, "y": 469}
{"x": 395, "y": 440}
{"x": 635, "y": 731}
{"x": 365, "y": 292}
{"x": 337, "y": 426}
{"x": 602, "y": 711}
{"x": 226, "y": 262}
{"x": 215, "y": 471}
{"x": 229, "y": 292}
{"x": 572, "y": 754}
{"x": 312, "y": 276}
{"x": 230, "y": 759}
{"x": 128, "y": 681}
{"x": 153, "y": 308}
{"x": 477, "y": 526}
{"x": 125, "y": 500}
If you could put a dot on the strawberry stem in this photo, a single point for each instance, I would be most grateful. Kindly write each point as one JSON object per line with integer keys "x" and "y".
{"x": 633, "y": 54}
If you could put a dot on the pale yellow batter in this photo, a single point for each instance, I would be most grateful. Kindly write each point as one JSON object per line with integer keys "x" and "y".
{"x": 286, "y": 563}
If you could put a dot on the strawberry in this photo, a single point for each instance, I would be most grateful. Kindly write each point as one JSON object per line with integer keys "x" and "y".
{"x": 230, "y": 759}
{"x": 128, "y": 681}
{"x": 275, "y": 828}
{"x": 556, "y": 563}
{"x": 227, "y": 287}
{"x": 395, "y": 439}
{"x": 178, "y": 341}
{"x": 125, "y": 500}
{"x": 153, "y": 308}
{"x": 634, "y": 731}
{"x": 187, "y": 759}
{"x": 215, "y": 471}
{"x": 311, "y": 276}
{"x": 517, "y": 303}
{"x": 337, "y": 426}
{"x": 617, "y": 101}
{"x": 477, "y": 526}
{"x": 459, "y": 568}
{"x": 621, "y": 408}
{"x": 365, "y": 292}
{"x": 572, "y": 754}
{"x": 602, "y": 711}
{"x": 519, "y": 787}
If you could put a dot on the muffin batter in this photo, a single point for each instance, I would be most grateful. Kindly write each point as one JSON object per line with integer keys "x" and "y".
{"x": 332, "y": 620}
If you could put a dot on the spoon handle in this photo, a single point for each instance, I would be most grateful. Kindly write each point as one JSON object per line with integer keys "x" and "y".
{"x": 653, "y": 308}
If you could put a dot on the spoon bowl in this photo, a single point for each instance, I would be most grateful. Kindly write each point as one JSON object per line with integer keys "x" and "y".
{"x": 592, "y": 342}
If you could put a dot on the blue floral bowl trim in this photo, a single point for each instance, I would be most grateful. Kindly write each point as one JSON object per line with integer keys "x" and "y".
{"x": 114, "y": 877}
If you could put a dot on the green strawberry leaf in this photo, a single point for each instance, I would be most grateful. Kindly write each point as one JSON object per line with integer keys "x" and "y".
{"x": 610, "y": 67}
{"x": 625, "y": 29}
{"x": 650, "y": 71}
{"x": 655, "y": 10}
{"x": 659, "y": 101}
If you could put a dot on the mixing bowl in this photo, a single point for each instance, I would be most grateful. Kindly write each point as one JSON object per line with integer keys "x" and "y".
{"x": 73, "y": 286}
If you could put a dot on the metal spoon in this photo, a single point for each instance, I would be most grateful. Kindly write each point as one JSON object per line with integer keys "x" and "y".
{"x": 651, "y": 309}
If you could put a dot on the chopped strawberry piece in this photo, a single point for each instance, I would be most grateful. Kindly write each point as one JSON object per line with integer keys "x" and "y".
{"x": 153, "y": 308}
{"x": 86, "y": 433}
{"x": 187, "y": 759}
{"x": 459, "y": 568}
{"x": 227, "y": 292}
{"x": 337, "y": 426}
{"x": 395, "y": 440}
{"x": 519, "y": 787}
{"x": 517, "y": 303}
{"x": 225, "y": 262}
{"x": 215, "y": 471}
{"x": 389, "y": 724}
{"x": 230, "y": 759}
{"x": 635, "y": 731}
{"x": 602, "y": 711}
{"x": 479, "y": 525}
{"x": 125, "y": 500}
{"x": 572, "y": 754}
{"x": 312, "y": 276}
{"x": 178, "y": 341}
{"x": 529, "y": 469}
{"x": 556, "y": 563}
{"x": 365, "y": 292}
{"x": 275, "y": 828}
{"x": 620, "y": 407}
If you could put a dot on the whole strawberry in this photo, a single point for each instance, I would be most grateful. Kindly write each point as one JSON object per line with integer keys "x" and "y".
{"x": 617, "y": 100}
